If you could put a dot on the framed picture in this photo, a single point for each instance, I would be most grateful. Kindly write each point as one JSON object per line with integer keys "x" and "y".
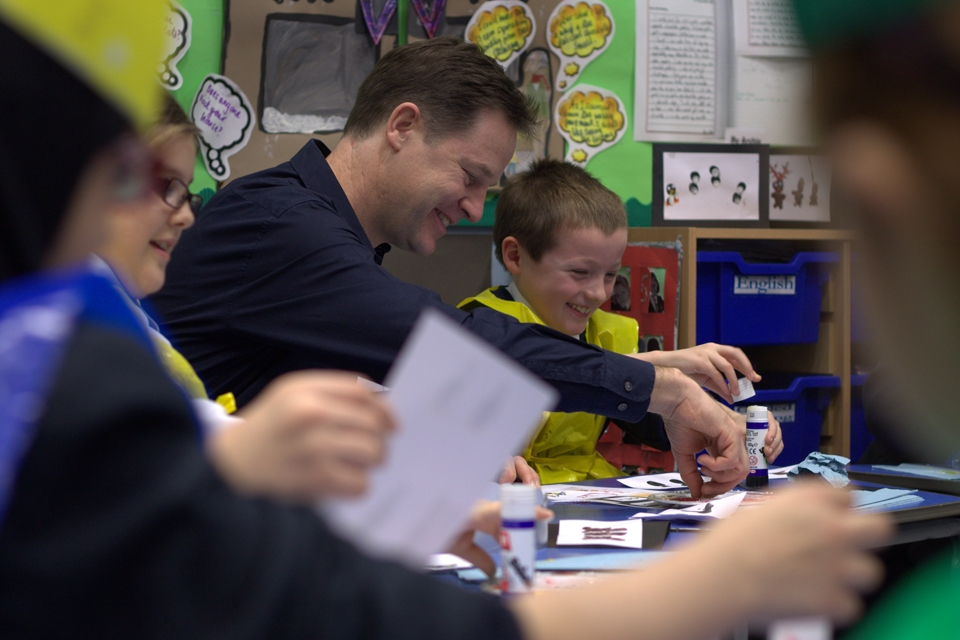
{"x": 799, "y": 186}
{"x": 711, "y": 185}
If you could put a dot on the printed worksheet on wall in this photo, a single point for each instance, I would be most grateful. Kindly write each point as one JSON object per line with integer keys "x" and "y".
{"x": 681, "y": 70}
{"x": 773, "y": 95}
{"x": 767, "y": 28}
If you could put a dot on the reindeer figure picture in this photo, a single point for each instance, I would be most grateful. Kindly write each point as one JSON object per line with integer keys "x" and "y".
{"x": 798, "y": 194}
{"x": 778, "y": 195}
{"x": 815, "y": 187}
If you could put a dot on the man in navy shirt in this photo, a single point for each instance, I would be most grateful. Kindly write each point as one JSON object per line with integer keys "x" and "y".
{"x": 282, "y": 269}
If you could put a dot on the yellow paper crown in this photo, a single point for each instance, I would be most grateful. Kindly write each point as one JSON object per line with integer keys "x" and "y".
{"x": 113, "y": 45}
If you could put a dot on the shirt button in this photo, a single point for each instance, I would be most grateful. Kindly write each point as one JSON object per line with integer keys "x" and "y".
{"x": 628, "y": 386}
{"x": 622, "y": 406}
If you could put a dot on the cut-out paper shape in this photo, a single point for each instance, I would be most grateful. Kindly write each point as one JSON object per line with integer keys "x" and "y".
{"x": 176, "y": 41}
{"x": 578, "y": 32}
{"x": 224, "y": 117}
{"x": 590, "y": 119}
{"x": 503, "y": 28}
{"x": 377, "y": 25}
{"x": 430, "y": 14}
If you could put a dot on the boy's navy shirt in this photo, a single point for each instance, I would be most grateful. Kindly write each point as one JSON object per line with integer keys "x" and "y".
{"x": 278, "y": 275}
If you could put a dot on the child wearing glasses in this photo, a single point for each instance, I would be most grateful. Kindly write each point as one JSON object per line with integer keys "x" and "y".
{"x": 309, "y": 435}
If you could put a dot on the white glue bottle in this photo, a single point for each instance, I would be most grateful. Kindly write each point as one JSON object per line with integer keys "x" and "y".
{"x": 518, "y": 536}
{"x": 757, "y": 426}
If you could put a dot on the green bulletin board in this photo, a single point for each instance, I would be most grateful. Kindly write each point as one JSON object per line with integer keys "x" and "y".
{"x": 204, "y": 56}
{"x": 626, "y": 168}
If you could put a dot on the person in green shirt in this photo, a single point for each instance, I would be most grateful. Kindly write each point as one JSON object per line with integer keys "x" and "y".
{"x": 887, "y": 102}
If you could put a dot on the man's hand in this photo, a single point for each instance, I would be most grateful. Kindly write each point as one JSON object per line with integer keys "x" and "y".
{"x": 713, "y": 366}
{"x": 694, "y": 421}
{"x": 517, "y": 469}
{"x": 308, "y": 435}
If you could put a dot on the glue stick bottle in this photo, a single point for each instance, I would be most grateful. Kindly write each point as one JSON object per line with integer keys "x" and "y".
{"x": 757, "y": 426}
{"x": 518, "y": 536}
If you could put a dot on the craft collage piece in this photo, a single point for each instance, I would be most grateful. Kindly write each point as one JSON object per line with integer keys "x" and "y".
{"x": 624, "y": 533}
{"x": 799, "y": 186}
{"x": 710, "y": 185}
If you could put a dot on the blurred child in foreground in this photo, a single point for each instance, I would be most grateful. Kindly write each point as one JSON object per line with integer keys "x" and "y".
{"x": 113, "y": 524}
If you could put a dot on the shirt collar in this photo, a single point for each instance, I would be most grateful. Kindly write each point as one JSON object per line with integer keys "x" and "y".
{"x": 518, "y": 297}
{"x": 102, "y": 268}
{"x": 311, "y": 165}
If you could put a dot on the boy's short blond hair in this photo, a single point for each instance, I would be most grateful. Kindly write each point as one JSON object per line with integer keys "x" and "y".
{"x": 550, "y": 197}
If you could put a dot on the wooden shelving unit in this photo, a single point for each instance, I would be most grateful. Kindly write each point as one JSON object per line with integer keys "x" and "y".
{"x": 830, "y": 355}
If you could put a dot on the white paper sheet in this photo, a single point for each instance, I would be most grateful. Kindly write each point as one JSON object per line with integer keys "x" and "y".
{"x": 657, "y": 482}
{"x": 941, "y": 473}
{"x": 861, "y": 498}
{"x": 612, "y": 533}
{"x": 800, "y": 629}
{"x": 773, "y": 94}
{"x": 463, "y": 408}
{"x": 446, "y": 562}
{"x": 681, "y": 71}
{"x": 767, "y": 28}
{"x": 781, "y": 472}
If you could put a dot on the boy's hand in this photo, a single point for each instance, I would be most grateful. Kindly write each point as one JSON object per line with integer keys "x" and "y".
{"x": 713, "y": 366}
{"x": 773, "y": 444}
{"x": 485, "y": 516}
{"x": 518, "y": 470}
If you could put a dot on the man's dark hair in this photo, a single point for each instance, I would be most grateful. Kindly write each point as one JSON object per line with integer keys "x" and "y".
{"x": 450, "y": 80}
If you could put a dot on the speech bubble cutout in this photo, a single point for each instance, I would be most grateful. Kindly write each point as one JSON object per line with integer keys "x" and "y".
{"x": 225, "y": 119}
{"x": 503, "y": 28}
{"x": 590, "y": 119}
{"x": 578, "y": 32}
{"x": 177, "y": 28}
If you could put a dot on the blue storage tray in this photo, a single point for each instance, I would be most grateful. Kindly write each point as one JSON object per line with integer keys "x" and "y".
{"x": 859, "y": 436}
{"x": 758, "y": 304}
{"x": 798, "y": 402}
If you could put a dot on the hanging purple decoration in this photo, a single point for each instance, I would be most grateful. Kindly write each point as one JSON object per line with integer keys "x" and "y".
{"x": 429, "y": 16}
{"x": 379, "y": 25}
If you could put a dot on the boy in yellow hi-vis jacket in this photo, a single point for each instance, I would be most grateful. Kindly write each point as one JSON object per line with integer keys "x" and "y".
{"x": 561, "y": 234}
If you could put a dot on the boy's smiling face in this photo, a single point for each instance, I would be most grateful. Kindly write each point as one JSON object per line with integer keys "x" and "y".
{"x": 571, "y": 280}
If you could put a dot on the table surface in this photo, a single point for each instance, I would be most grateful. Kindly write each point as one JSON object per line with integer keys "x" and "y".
{"x": 937, "y": 516}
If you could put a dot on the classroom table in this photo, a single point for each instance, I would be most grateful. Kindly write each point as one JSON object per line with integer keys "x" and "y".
{"x": 894, "y": 477}
{"x": 937, "y": 516}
